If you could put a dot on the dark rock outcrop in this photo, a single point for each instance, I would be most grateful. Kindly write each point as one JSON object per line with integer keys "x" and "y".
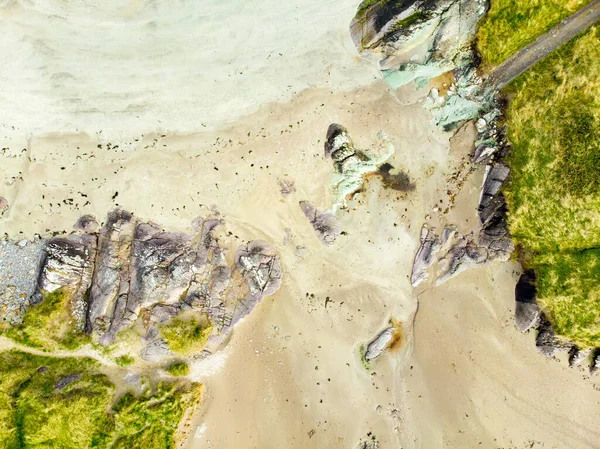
{"x": 134, "y": 269}
{"x": 527, "y": 312}
{"x": 578, "y": 356}
{"x": 546, "y": 341}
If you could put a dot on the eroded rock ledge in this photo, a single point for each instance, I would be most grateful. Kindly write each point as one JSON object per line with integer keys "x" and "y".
{"x": 133, "y": 270}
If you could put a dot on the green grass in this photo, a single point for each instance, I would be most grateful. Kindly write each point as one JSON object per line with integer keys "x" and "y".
{"x": 178, "y": 369}
{"x": 570, "y": 283}
{"x": 124, "y": 360}
{"x": 186, "y": 335}
{"x": 513, "y": 24}
{"x": 34, "y": 414}
{"x": 553, "y": 194}
{"x": 48, "y": 325}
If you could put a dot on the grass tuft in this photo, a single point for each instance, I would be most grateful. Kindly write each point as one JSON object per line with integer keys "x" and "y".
{"x": 186, "y": 335}
{"x": 48, "y": 325}
{"x": 178, "y": 369}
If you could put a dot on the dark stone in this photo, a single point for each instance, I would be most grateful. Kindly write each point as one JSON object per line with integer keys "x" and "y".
{"x": 527, "y": 312}
{"x": 64, "y": 381}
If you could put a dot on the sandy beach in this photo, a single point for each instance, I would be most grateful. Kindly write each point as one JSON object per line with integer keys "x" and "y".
{"x": 205, "y": 118}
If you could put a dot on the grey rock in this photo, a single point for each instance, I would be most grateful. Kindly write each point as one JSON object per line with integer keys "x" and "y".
{"x": 155, "y": 351}
{"x": 69, "y": 263}
{"x": 378, "y": 344}
{"x": 430, "y": 245}
{"x": 547, "y": 342}
{"x": 490, "y": 200}
{"x": 527, "y": 312}
{"x": 261, "y": 269}
{"x": 286, "y": 187}
{"x": 578, "y": 356}
{"x": 3, "y": 203}
{"x": 160, "y": 272}
{"x": 325, "y": 224}
{"x": 595, "y": 366}
{"x": 19, "y": 271}
{"x": 64, "y": 381}
{"x": 110, "y": 284}
{"x": 87, "y": 223}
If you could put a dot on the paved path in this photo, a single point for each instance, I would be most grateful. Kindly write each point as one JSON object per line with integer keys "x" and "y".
{"x": 528, "y": 56}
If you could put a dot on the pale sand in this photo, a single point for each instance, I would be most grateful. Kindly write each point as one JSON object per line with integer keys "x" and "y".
{"x": 137, "y": 66}
{"x": 264, "y": 390}
{"x": 474, "y": 381}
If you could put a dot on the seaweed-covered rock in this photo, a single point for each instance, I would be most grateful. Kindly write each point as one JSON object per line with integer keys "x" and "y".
{"x": 527, "y": 312}
{"x": 352, "y": 164}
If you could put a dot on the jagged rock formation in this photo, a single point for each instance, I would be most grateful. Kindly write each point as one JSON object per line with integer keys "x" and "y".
{"x": 527, "y": 311}
{"x": 547, "y": 342}
{"x": 325, "y": 224}
{"x": 444, "y": 27}
{"x": 69, "y": 263}
{"x": 133, "y": 268}
{"x": 430, "y": 245}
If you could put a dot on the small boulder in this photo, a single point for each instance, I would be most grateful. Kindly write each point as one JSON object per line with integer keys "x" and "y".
{"x": 595, "y": 366}
{"x": 578, "y": 356}
{"x": 546, "y": 340}
{"x": 64, "y": 381}
{"x": 527, "y": 312}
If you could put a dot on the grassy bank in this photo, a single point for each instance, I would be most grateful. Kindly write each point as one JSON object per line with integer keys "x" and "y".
{"x": 68, "y": 403}
{"x": 553, "y": 123}
{"x": 512, "y": 24}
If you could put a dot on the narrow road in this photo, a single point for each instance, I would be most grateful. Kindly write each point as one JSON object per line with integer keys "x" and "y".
{"x": 554, "y": 38}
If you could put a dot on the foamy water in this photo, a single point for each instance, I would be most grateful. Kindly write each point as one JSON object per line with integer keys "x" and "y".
{"x": 129, "y": 67}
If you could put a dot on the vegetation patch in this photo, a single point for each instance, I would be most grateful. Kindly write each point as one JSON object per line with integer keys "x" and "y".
{"x": 186, "y": 335}
{"x": 553, "y": 194}
{"x": 124, "y": 360}
{"x": 178, "y": 369}
{"x": 513, "y": 24}
{"x": 68, "y": 403}
{"x": 48, "y": 325}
